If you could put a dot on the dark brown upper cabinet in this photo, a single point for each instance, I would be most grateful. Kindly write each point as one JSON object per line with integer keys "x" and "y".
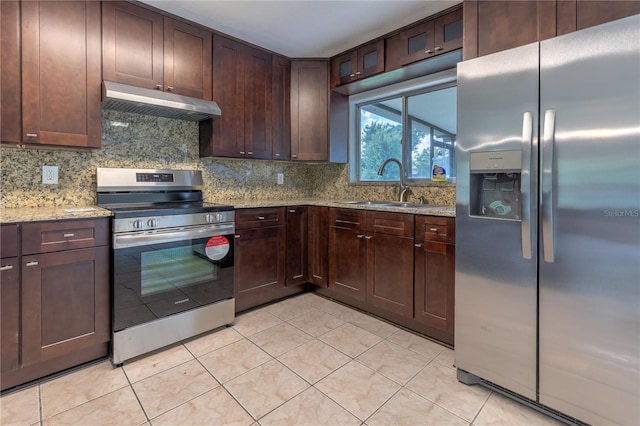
{"x": 281, "y": 108}
{"x": 242, "y": 87}
{"x": 60, "y": 75}
{"x": 146, "y": 49}
{"x": 361, "y": 62}
{"x": 495, "y": 25}
{"x": 310, "y": 110}
{"x": 425, "y": 40}
{"x": 10, "y": 78}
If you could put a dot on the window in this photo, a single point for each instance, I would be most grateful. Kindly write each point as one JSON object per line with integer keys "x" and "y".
{"x": 414, "y": 126}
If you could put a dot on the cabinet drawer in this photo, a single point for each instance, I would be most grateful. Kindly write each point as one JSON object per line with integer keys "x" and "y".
{"x": 46, "y": 237}
{"x": 9, "y": 240}
{"x": 432, "y": 228}
{"x": 259, "y": 218}
{"x": 390, "y": 223}
{"x": 348, "y": 219}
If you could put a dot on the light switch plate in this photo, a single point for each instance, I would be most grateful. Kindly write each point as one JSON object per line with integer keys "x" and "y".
{"x": 50, "y": 175}
{"x": 280, "y": 178}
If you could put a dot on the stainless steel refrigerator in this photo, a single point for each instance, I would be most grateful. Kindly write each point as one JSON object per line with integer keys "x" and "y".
{"x": 548, "y": 223}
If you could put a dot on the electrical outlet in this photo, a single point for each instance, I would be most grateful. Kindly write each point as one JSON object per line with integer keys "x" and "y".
{"x": 280, "y": 178}
{"x": 50, "y": 175}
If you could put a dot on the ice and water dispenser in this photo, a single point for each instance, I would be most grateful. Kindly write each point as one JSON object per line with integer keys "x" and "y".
{"x": 495, "y": 184}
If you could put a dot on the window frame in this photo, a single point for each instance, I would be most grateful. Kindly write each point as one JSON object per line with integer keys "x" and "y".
{"x": 432, "y": 82}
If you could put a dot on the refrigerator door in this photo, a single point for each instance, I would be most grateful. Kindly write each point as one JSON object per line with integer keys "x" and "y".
{"x": 589, "y": 324}
{"x": 496, "y": 271}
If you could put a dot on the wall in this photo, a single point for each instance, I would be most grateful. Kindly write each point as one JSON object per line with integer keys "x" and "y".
{"x": 130, "y": 140}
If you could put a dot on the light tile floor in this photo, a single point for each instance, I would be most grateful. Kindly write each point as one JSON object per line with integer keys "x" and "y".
{"x": 302, "y": 361}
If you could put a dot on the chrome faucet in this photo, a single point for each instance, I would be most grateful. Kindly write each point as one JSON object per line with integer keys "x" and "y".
{"x": 403, "y": 186}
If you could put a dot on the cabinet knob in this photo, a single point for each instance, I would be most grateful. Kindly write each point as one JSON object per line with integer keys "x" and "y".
{"x": 159, "y": 86}
{"x": 237, "y": 236}
{"x": 352, "y": 75}
{"x": 292, "y": 211}
{"x": 358, "y": 73}
{"x": 277, "y": 155}
{"x": 260, "y": 217}
{"x": 418, "y": 245}
{"x": 242, "y": 152}
{"x": 294, "y": 156}
{"x": 32, "y": 263}
{"x": 438, "y": 48}
{"x": 428, "y": 52}
{"x": 32, "y": 135}
{"x": 170, "y": 88}
{"x": 360, "y": 236}
{"x": 6, "y": 267}
{"x": 368, "y": 237}
{"x": 249, "y": 152}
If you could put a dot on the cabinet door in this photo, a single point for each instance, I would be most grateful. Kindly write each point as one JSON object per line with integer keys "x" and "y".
{"x": 390, "y": 273}
{"x": 417, "y": 43}
{"x": 344, "y": 68}
{"x": 318, "y": 245}
{"x": 65, "y": 303}
{"x": 370, "y": 59}
{"x": 10, "y": 314}
{"x": 227, "y": 137}
{"x": 435, "y": 289}
{"x": 258, "y": 135}
{"x": 347, "y": 262}
{"x": 10, "y": 99}
{"x": 309, "y": 110}
{"x": 187, "y": 59}
{"x": 447, "y": 32}
{"x": 61, "y": 73}
{"x": 259, "y": 267}
{"x": 281, "y": 108}
{"x": 297, "y": 248}
{"x": 132, "y": 40}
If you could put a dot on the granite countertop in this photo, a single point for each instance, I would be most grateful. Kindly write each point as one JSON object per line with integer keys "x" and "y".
{"x": 35, "y": 214}
{"x": 428, "y": 210}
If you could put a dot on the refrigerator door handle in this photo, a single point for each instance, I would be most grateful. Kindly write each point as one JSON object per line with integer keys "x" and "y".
{"x": 548, "y": 142}
{"x": 525, "y": 184}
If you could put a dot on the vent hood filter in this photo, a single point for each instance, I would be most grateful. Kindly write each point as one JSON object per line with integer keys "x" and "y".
{"x": 138, "y": 100}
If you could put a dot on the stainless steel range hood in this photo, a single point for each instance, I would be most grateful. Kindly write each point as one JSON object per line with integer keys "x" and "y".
{"x": 126, "y": 98}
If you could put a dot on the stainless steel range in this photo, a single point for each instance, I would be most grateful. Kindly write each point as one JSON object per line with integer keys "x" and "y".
{"x": 172, "y": 258}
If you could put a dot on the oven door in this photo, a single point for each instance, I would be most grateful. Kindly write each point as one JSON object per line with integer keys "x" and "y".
{"x": 160, "y": 273}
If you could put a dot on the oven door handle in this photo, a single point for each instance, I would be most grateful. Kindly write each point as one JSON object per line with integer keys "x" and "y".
{"x": 135, "y": 239}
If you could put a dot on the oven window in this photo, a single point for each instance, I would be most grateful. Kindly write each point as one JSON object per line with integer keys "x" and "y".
{"x": 174, "y": 267}
{"x": 157, "y": 280}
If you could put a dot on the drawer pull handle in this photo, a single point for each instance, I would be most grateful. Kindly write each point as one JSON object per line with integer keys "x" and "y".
{"x": 260, "y": 217}
{"x": 292, "y": 211}
{"x": 433, "y": 229}
{"x": 32, "y": 263}
{"x": 237, "y": 236}
{"x": 360, "y": 236}
{"x": 418, "y": 245}
{"x": 438, "y": 48}
{"x": 368, "y": 237}
{"x": 68, "y": 235}
{"x": 428, "y": 52}
{"x": 32, "y": 135}
{"x": 170, "y": 88}
{"x": 242, "y": 152}
{"x": 158, "y": 86}
{"x": 6, "y": 267}
{"x": 249, "y": 152}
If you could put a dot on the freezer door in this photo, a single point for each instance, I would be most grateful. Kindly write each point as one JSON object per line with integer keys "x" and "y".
{"x": 590, "y": 219}
{"x": 496, "y": 275}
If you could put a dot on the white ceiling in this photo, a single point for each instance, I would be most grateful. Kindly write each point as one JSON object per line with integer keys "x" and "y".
{"x": 304, "y": 28}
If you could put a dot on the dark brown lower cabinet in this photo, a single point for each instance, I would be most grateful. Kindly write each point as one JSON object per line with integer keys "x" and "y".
{"x": 297, "y": 248}
{"x": 10, "y": 312}
{"x": 318, "y": 236}
{"x": 259, "y": 257}
{"x": 348, "y": 253}
{"x": 390, "y": 273}
{"x": 55, "y": 298}
{"x": 435, "y": 276}
{"x": 65, "y": 303}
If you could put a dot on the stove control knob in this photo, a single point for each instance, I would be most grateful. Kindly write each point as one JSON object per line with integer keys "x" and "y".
{"x": 152, "y": 223}
{"x": 208, "y": 218}
{"x": 138, "y": 224}
{"x": 219, "y": 217}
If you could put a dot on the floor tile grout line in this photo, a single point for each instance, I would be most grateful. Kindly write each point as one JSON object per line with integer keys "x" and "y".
{"x": 481, "y": 407}
{"x": 40, "y": 412}
{"x": 383, "y": 404}
{"x": 135, "y": 394}
{"x": 436, "y": 404}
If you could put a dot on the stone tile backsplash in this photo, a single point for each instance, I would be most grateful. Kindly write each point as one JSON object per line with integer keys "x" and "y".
{"x": 131, "y": 140}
